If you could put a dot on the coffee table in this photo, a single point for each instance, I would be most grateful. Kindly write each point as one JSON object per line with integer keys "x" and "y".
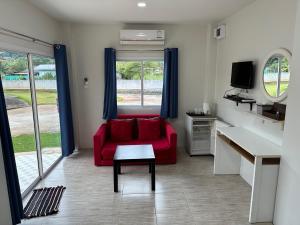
{"x": 134, "y": 153}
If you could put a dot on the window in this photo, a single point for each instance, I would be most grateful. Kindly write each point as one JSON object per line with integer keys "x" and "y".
{"x": 139, "y": 82}
{"x": 276, "y": 75}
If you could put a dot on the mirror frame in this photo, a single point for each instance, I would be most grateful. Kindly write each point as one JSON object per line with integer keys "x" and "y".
{"x": 286, "y": 53}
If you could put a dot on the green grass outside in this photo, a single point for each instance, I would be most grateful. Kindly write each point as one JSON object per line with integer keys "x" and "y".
{"x": 154, "y": 77}
{"x": 271, "y": 88}
{"x": 26, "y": 142}
{"x": 44, "y": 97}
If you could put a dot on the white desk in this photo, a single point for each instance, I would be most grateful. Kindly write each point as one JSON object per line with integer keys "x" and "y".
{"x": 232, "y": 143}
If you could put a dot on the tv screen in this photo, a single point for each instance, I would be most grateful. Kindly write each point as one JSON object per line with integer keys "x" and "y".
{"x": 242, "y": 75}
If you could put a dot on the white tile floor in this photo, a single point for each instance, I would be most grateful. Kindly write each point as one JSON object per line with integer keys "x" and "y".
{"x": 186, "y": 194}
{"x": 27, "y": 166}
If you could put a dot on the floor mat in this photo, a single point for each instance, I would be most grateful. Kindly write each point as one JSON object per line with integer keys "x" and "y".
{"x": 44, "y": 202}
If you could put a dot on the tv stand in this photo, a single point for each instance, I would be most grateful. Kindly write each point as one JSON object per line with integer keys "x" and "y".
{"x": 240, "y": 100}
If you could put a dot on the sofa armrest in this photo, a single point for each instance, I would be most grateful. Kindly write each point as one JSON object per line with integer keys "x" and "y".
{"x": 171, "y": 135}
{"x": 99, "y": 140}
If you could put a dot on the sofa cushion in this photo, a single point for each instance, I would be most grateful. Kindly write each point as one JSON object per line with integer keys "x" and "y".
{"x": 121, "y": 130}
{"x": 144, "y": 116}
{"x": 149, "y": 129}
{"x": 161, "y": 147}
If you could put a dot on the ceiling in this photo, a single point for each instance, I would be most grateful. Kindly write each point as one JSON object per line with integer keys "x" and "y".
{"x": 126, "y": 11}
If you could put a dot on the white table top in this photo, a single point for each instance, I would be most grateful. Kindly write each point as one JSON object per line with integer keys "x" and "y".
{"x": 134, "y": 152}
{"x": 254, "y": 144}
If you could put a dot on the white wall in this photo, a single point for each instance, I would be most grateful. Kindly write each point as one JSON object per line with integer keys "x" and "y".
{"x": 252, "y": 34}
{"x": 22, "y": 17}
{"x": 210, "y": 66}
{"x": 288, "y": 192}
{"x": 87, "y": 47}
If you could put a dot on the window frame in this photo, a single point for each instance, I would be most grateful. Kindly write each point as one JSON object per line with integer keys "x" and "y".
{"x": 141, "y": 60}
{"x": 278, "y": 52}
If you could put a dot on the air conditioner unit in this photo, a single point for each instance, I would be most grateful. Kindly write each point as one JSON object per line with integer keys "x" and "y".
{"x": 142, "y": 37}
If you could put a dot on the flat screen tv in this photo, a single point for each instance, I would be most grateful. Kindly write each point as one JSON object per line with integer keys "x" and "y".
{"x": 242, "y": 75}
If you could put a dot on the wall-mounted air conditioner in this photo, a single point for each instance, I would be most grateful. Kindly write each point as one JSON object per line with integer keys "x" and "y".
{"x": 142, "y": 37}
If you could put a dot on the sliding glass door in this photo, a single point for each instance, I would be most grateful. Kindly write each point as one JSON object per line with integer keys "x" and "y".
{"x": 47, "y": 107}
{"x": 17, "y": 92}
{"x": 29, "y": 83}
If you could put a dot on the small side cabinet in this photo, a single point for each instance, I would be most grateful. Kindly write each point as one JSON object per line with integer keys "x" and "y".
{"x": 198, "y": 130}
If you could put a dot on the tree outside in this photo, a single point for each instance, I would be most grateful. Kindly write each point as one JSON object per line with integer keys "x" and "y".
{"x": 130, "y": 77}
{"x": 131, "y": 70}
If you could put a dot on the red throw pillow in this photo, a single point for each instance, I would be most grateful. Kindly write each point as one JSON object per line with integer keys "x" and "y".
{"x": 149, "y": 129}
{"x": 121, "y": 130}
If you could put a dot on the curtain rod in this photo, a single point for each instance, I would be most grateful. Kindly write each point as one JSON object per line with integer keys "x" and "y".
{"x": 24, "y": 37}
{"x": 139, "y": 50}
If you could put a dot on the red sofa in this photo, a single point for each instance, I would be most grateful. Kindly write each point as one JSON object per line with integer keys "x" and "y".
{"x": 164, "y": 147}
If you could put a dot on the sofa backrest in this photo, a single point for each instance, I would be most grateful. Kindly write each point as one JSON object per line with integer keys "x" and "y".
{"x": 140, "y": 116}
{"x": 137, "y": 116}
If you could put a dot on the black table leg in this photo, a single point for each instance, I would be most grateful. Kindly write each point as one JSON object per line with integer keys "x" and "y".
{"x": 153, "y": 175}
{"x": 116, "y": 170}
{"x": 119, "y": 168}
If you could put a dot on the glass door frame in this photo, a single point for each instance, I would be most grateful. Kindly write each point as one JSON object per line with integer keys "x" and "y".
{"x": 41, "y": 173}
{"x": 35, "y": 115}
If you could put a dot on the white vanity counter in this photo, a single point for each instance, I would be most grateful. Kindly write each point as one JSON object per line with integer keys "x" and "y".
{"x": 251, "y": 142}
{"x": 234, "y": 144}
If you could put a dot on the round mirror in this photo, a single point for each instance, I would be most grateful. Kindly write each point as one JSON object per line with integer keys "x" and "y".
{"x": 276, "y": 75}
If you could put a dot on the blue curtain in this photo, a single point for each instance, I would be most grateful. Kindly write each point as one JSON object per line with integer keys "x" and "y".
{"x": 169, "y": 105}
{"x": 13, "y": 186}
{"x": 64, "y": 100}
{"x": 110, "y": 92}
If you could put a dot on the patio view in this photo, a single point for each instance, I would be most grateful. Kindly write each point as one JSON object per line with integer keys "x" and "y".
{"x": 276, "y": 76}
{"x": 139, "y": 83}
{"x": 27, "y": 136}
